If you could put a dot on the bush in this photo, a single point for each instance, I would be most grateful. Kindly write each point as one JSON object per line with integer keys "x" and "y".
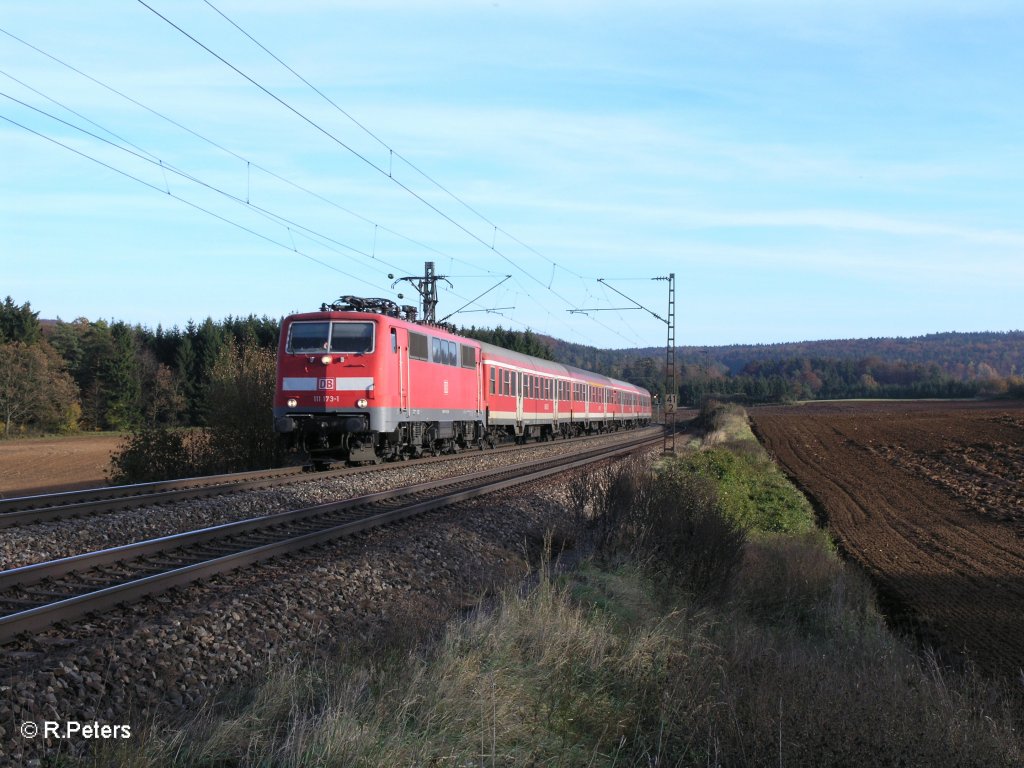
{"x": 238, "y": 407}
{"x": 673, "y": 525}
{"x": 160, "y": 453}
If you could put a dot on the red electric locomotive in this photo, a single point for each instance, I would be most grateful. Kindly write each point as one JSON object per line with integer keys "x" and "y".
{"x": 362, "y": 381}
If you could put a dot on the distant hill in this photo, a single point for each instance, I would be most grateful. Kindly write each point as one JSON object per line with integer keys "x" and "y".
{"x": 958, "y": 355}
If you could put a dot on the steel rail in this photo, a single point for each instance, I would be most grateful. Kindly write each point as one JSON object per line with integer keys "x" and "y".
{"x": 27, "y": 510}
{"x": 40, "y": 617}
{"x": 10, "y": 508}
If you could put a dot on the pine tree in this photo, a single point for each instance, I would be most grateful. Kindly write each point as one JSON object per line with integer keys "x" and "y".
{"x": 19, "y": 323}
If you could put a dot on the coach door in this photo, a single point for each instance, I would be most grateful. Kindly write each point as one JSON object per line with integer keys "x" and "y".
{"x": 517, "y": 385}
{"x": 402, "y": 352}
{"x": 556, "y": 390}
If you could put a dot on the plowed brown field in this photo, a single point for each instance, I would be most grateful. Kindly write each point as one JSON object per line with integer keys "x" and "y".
{"x": 929, "y": 498}
{"x": 50, "y": 464}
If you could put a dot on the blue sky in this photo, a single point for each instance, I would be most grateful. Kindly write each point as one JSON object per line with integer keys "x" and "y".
{"x": 807, "y": 170}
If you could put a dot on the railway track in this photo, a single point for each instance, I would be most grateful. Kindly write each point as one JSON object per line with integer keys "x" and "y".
{"x": 28, "y": 510}
{"x": 34, "y": 597}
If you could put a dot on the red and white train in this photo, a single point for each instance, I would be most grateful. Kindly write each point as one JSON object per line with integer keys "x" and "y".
{"x": 362, "y": 382}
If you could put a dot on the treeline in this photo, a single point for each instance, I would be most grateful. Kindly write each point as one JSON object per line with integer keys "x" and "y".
{"x": 825, "y": 379}
{"x": 704, "y": 374}
{"x": 963, "y": 356}
{"x": 525, "y": 342}
{"x": 57, "y": 376}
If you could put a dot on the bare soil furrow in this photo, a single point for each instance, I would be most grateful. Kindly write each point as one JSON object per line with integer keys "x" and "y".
{"x": 927, "y": 497}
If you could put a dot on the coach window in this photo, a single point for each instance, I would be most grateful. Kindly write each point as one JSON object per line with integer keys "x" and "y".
{"x": 492, "y": 381}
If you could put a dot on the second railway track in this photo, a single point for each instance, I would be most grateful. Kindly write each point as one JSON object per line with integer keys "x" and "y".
{"x": 36, "y": 596}
{"x": 29, "y": 510}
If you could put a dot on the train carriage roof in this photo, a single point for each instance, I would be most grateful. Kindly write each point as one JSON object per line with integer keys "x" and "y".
{"x": 490, "y": 351}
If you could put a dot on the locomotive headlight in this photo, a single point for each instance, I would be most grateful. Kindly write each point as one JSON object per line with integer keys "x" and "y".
{"x": 325, "y": 359}
{"x": 292, "y": 402}
{"x": 362, "y": 402}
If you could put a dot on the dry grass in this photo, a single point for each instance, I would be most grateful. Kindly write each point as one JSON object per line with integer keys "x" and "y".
{"x": 594, "y": 671}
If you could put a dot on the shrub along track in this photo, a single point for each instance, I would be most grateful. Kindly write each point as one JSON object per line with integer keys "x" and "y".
{"x": 926, "y": 496}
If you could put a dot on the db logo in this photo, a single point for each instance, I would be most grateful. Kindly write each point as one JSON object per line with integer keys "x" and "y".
{"x": 325, "y": 383}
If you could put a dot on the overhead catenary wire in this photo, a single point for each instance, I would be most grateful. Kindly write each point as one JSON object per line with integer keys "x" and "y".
{"x": 363, "y": 253}
{"x": 164, "y": 167}
{"x": 186, "y": 202}
{"x": 380, "y": 169}
{"x": 292, "y": 227}
{"x": 249, "y": 163}
{"x": 392, "y": 153}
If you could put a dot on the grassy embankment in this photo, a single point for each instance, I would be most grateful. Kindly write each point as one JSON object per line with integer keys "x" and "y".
{"x": 713, "y": 626}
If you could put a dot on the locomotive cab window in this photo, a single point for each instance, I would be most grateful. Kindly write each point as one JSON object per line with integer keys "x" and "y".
{"x": 319, "y": 336}
{"x": 354, "y": 338}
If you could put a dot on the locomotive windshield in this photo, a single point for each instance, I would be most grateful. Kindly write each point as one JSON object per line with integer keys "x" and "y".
{"x": 312, "y": 337}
